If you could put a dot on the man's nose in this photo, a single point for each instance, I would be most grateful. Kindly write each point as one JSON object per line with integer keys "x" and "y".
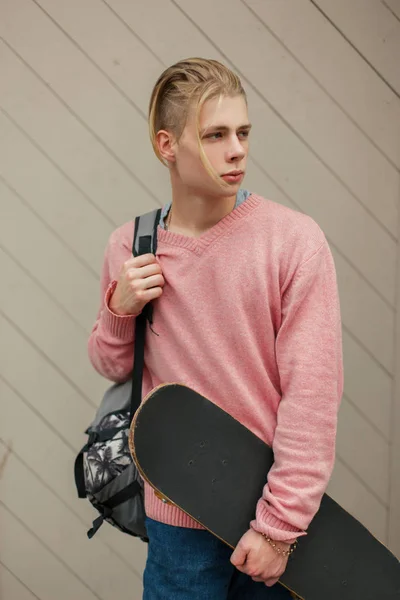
{"x": 236, "y": 150}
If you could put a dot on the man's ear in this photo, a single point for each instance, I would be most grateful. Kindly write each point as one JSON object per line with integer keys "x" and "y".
{"x": 166, "y": 145}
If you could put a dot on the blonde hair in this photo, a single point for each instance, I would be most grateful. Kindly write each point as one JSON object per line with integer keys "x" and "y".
{"x": 189, "y": 82}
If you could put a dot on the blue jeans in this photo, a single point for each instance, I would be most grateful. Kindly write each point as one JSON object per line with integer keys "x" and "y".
{"x": 192, "y": 564}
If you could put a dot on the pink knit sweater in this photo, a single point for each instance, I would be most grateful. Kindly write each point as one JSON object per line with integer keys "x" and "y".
{"x": 249, "y": 318}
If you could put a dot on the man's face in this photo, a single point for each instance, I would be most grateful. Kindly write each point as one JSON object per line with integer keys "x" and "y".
{"x": 224, "y": 131}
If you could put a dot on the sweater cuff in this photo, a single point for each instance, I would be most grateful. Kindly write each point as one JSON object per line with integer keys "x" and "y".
{"x": 119, "y": 326}
{"x": 272, "y": 527}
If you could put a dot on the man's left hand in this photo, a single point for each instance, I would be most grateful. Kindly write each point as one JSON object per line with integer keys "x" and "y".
{"x": 257, "y": 558}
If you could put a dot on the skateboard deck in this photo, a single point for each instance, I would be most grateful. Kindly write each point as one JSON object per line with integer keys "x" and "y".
{"x": 199, "y": 458}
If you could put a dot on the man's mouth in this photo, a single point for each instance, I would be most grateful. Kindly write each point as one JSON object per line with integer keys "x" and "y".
{"x": 233, "y": 176}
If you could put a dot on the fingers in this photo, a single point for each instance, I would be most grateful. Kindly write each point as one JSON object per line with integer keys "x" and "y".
{"x": 238, "y": 557}
{"x": 140, "y": 281}
{"x": 143, "y": 272}
{"x": 140, "y": 261}
{"x": 254, "y": 557}
{"x": 259, "y": 572}
{"x": 152, "y": 294}
{"x": 148, "y": 282}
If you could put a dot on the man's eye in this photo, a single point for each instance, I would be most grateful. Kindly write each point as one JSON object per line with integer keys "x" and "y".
{"x": 215, "y": 136}
{"x": 244, "y": 134}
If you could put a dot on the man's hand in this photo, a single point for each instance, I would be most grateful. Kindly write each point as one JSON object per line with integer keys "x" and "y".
{"x": 255, "y": 556}
{"x": 140, "y": 281}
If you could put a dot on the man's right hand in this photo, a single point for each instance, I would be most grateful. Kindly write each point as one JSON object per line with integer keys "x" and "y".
{"x": 140, "y": 281}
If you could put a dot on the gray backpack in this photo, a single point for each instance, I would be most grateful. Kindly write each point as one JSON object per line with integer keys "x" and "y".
{"x": 105, "y": 473}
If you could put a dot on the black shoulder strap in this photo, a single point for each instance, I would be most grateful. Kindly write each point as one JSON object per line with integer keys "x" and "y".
{"x": 145, "y": 234}
{"x": 144, "y": 242}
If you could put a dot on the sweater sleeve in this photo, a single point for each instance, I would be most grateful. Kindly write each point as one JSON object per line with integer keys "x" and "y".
{"x": 111, "y": 341}
{"x": 309, "y": 358}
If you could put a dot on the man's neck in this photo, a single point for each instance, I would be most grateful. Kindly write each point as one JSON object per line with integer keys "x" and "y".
{"x": 194, "y": 215}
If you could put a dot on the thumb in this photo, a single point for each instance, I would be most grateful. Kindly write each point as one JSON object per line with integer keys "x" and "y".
{"x": 239, "y": 556}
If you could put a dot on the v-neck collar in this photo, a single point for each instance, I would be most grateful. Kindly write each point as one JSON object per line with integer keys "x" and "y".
{"x": 241, "y": 196}
{"x": 199, "y": 244}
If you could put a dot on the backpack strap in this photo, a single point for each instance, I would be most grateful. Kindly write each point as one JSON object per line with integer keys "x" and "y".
{"x": 146, "y": 227}
{"x": 144, "y": 241}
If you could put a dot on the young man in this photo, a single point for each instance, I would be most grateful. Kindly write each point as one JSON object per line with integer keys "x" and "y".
{"x": 246, "y": 312}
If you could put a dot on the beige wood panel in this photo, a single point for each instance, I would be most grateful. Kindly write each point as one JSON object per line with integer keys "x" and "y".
{"x": 367, "y": 385}
{"x": 372, "y": 29}
{"x": 393, "y": 6}
{"x": 13, "y": 589}
{"x": 281, "y": 154}
{"x": 334, "y": 64}
{"x": 34, "y": 564}
{"x": 364, "y": 451}
{"x": 123, "y": 57}
{"x": 52, "y": 197}
{"x": 364, "y": 313}
{"x": 27, "y": 370}
{"x": 53, "y": 463}
{"x": 349, "y": 492}
{"x": 394, "y": 506}
{"x": 63, "y": 533}
{"x": 73, "y": 77}
{"x": 64, "y": 140}
{"x": 43, "y": 322}
{"x": 301, "y": 103}
{"x": 256, "y": 180}
{"x": 44, "y": 259}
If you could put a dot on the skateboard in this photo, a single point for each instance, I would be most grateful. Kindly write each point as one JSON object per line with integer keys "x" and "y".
{"x": 197, "y": 457}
